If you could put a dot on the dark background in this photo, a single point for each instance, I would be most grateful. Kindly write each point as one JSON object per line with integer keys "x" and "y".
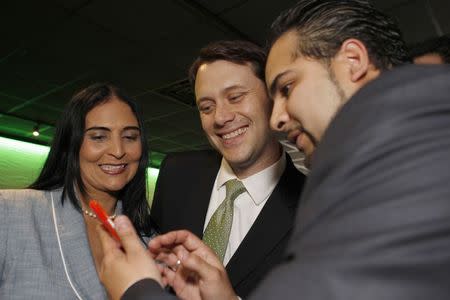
{"x": 50, "y": 49}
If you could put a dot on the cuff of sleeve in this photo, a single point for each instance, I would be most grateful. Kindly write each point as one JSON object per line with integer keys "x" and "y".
{"x": 141, "y": 289}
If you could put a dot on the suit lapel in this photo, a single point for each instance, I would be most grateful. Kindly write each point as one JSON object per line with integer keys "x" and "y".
{"x": 201, "y": 194}
{"x": 75, "y": 247}
{"x": 272, "y": 225}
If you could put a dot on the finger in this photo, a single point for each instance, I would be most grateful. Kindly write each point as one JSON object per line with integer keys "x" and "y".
{"x": 129, "y": 239}
{"x": 180, "y": 252}
{"x": 169, "y": 275}
{"x": 169, "y": 259}
{"x": 188, "y": 241}
{"x": 203, "y": 251}
{"x": 174, "y": 238}
{"x": 156, "y": 252}
{"x": 107, "y": 243}
{"x": 203, "y": 269}
{"x": 160, "y": 267}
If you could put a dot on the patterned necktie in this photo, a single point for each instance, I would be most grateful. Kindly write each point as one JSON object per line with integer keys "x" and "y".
{"x": 219, "y": 227}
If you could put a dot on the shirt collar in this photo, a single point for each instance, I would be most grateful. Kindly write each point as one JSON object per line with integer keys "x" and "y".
{"x": 260, "y": 185}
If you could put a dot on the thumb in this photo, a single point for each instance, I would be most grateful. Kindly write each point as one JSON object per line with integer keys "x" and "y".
{"x": 128, "y": 237}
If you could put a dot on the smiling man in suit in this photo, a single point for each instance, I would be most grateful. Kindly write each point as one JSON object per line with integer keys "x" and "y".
{"x": 251, "y": 234}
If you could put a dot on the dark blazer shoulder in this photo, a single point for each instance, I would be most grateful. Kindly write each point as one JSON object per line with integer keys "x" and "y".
{"x": 191, "y": 158}
{"x": 183, "y": 190}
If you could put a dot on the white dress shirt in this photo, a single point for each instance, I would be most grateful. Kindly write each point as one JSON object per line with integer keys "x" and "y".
{"x": 247, "y": 205}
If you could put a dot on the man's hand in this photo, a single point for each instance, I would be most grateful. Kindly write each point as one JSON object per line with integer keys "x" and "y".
{"x": 122, "y": 267}
{"x": 200, "y": 274}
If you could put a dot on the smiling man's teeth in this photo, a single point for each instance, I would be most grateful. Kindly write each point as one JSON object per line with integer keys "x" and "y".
{"x": 234, "y": 133}
{"x": 112, "y": 167}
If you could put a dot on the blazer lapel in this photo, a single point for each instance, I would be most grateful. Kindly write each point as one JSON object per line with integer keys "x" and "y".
{"x": 76, "y": 250}
{"x": 201, "y": 194}
{"x": 272, "y": 225}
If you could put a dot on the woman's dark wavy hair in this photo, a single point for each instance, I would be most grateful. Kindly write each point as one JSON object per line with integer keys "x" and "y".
{"x": 323, "y": 25}
{"x": 62, "y": 167}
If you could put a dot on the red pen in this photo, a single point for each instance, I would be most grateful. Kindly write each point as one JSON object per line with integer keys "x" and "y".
{"x": 103, "y": 217}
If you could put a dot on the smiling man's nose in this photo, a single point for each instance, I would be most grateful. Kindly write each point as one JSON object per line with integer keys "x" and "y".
{"x": 223, "y": 114}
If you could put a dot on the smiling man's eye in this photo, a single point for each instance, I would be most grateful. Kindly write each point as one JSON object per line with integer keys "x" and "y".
{"x": 205, "y": 108}
{"x": 234, "y": 97}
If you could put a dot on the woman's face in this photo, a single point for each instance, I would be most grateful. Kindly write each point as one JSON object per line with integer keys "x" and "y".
{"x": 111, "y": 147}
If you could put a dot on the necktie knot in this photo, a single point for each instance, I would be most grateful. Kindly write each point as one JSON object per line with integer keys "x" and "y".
{"x": 234, "y": 188}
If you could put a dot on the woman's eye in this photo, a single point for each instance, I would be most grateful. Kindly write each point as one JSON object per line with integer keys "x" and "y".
{"x": 98, "y": 138}
{"x": 132, "y": 137}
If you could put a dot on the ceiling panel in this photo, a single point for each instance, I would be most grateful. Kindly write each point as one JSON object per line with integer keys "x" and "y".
{"x": 414, "y": 21}
{"x": 156, "y": 106}
{"x": 51, "y": 49}
{"x": 441, "y": 11}
{"x": 261, "y": 13}
{"x": 188, "y": 119}
{"x": 24, "y": 22}
{"x": 21, "y": 88}
{"x": 8, "y": 102}
{"x": 39, "y": 113}
{"x": 220, "y": 6}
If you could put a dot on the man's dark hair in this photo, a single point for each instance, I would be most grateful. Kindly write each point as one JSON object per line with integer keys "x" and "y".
{"x": 439, "y": 45}
{"x": 323, "y": 25}
{"x": 62, "y": 167}
{"x": 238, "y": 52}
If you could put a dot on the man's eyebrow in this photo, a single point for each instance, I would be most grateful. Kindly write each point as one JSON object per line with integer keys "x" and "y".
{"x": 275, "y": 83}
{"x": 202, "y": 99}
{"x": 234, "y": 86}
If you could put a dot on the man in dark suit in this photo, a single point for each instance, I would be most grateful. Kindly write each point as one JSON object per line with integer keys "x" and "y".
{"x": 374, "y": 221}
{"x": 228, "y": 78}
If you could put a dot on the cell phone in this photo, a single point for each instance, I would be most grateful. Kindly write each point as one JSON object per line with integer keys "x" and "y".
{"x": 103, "y": 217}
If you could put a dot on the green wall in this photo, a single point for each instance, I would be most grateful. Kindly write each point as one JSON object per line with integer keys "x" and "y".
{"x": 21, "y": 162}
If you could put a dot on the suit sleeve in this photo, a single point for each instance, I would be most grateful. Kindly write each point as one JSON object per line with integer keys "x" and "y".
{"x": 146, "y": 289}
{"x": 374, "y": 221}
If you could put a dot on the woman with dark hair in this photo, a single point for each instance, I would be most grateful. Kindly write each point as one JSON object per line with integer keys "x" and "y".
{"x": 49, "y": 248}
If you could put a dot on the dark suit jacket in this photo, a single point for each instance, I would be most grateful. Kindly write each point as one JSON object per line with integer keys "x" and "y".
{"x": 374, "y": 221}
{"x": 181, "y": 200}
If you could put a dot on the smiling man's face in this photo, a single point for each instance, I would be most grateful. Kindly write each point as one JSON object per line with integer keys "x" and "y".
{"x": 234, "y": 111}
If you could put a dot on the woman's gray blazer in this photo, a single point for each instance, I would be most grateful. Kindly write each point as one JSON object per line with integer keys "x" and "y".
{"x": 31, "y": 260}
